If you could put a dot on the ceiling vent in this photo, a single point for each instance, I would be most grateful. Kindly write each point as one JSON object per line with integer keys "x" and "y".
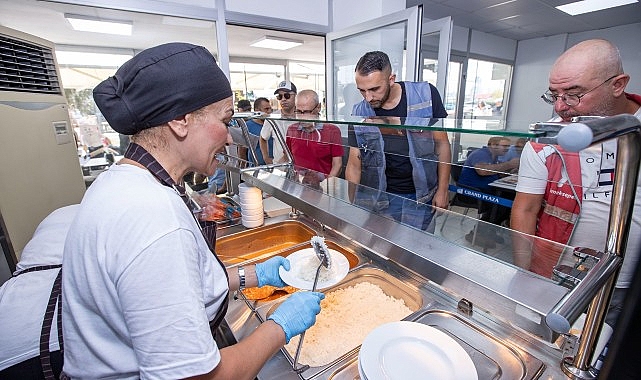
{"x": 27, "y": 67}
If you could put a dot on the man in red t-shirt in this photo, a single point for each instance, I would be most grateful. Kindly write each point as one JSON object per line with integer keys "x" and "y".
{"x": 315, "y": 146}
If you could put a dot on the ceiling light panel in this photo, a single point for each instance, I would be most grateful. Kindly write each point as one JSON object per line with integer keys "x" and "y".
{"x": 587, "y": 6}
{"x": 98, "y": 25}
{"x": 278, "y": 43}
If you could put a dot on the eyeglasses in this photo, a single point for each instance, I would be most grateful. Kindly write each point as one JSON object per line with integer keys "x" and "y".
{"x": 571, "y": 99}
{"x": 286, "y": 95}
{"x": 303, "y": 112}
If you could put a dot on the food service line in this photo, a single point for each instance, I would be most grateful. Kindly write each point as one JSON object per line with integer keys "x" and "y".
{"x": 493, "y": 355}
{"x": 391, "y": 255}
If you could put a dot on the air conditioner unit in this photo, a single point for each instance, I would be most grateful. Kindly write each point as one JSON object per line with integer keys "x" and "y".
{"x": 39, "y": 167}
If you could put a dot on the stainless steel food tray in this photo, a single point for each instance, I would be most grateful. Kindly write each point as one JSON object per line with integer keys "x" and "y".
{"x": 390, "y": 285}
{"x": 493, "y": 358}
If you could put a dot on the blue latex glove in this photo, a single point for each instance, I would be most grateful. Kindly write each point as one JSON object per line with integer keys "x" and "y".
{"x": 267, "y": 272}
{"x": 297, "y": 313}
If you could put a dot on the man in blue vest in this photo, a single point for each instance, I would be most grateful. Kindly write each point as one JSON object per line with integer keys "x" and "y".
{"x": 401, "y": 172}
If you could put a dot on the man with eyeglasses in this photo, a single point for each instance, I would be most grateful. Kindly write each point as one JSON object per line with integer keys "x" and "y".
{"x": 316, "y": 147}
{"x": 481, "y": 168}
{"x": 565, "y": 197}
{"x": 286, "y": 95}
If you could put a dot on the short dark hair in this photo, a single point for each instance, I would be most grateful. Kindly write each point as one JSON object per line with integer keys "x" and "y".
{"x": 373, "y": 61}
{"x": 496, "y": 140}
{"x": 244, "y": 105}
{"x": 258, "y": 101}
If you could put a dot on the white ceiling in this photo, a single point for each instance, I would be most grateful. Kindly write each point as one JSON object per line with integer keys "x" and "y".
{"x": 515, "y": 19}
{"x": 525, "y": 19}
{"x": 46, "y": 20}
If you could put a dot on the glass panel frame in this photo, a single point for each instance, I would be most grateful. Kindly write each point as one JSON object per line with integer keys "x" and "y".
{"x": 343, "y": 48}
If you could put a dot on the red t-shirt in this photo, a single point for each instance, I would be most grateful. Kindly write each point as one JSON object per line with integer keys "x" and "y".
{"x": 314, "y": 150}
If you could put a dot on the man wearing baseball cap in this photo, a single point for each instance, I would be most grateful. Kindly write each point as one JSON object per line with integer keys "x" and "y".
{"x": 286, "y": 95}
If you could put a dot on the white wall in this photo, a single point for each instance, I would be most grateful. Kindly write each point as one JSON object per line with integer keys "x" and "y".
{"x": 536, "y": 56}
{"x": 627, "y": 38}
{"x": 351, "y": 12}
{"x": 311, "y": 11}
{"x": 459, "y": 38}
{"x": 530, "y": 79}
{"x": 492, "y": 46}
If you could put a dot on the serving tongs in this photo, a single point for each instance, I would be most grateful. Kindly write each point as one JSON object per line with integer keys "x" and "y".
{"x": 322, "y": 252}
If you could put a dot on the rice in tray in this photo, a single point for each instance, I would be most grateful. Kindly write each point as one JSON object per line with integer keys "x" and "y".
{"x": 347, "y": 316}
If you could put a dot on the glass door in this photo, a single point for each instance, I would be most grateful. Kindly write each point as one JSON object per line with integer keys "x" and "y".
{"x": 397, "y": 34}
{"x": 435, "y": 53}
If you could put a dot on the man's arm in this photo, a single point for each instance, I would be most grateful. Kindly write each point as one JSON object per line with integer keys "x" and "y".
{"x": 353, "y": 168}
{"x": 484, "y": 169}
{"x": 337, "y": 163}
{"x": 525, "y": 210}
{"x": 265, "y": 134}
{"x": 264, "y": 150}
{"x": 441, "y": 198}
{"x": 353, "y": 171}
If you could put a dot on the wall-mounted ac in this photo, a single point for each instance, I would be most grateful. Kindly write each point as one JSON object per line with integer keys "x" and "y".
{"x": 39, "y": 167}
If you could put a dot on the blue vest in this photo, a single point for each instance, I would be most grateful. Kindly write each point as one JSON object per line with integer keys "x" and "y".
{"x": 422, "y": 152}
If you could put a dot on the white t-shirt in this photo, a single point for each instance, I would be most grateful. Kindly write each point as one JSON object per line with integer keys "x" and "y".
{"x": 597, "y": 172}
{"x": 23, "y": 299}
{"x": 266, "y": 132}
{"x": 139, "y": 283}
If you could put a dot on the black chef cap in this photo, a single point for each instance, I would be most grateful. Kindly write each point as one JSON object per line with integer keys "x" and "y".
{"x": 160, "y": 84}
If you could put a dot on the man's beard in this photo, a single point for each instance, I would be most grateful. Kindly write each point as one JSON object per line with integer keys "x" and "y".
{"x": 379, "y": 103}
{"x": 603, "y": 109}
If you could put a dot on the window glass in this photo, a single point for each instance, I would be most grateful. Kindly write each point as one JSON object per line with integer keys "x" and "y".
{"x": 348, "y": 50}
{"x": 309, "y": 76}
{"x": 254, "y": 80}
{"x": 485, "y": 90}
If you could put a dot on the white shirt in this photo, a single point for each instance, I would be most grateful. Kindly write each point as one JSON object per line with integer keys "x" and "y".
{"x": 597, "y": 171}
{"x": 23, "y": 299}
{"x": 139, "y": 283}
{"x": 266, "y": 132}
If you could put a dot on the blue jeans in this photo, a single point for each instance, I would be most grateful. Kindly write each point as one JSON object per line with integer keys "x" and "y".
{"x": 403, "y": 208}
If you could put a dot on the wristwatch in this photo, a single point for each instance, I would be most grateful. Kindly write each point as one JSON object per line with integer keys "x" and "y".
{"x": 241, "y": 277}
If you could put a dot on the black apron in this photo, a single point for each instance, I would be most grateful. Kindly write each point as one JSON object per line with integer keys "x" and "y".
{"x": 137, "y": 153}
{"x": 55, "y": 299}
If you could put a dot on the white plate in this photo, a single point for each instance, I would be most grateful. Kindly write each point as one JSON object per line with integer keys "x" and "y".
{"x": 306, "y": 259}
{"x": 410, "y": 350}
{"x": 360, "y": 372}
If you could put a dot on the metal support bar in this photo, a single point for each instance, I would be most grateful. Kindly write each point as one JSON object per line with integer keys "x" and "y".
{"x": 627, "y": 129}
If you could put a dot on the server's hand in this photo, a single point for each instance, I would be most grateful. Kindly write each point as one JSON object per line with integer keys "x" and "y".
{"x": 267, "y": 272}
{"x": 297, "y": 313}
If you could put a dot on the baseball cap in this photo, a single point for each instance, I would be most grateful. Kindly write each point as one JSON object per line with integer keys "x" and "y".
{"x": 287, "y": 86}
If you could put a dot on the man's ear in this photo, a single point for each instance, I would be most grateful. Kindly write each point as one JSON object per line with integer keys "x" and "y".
{"x": 179, "y": 125}
{"x": 619, "y": 84}
{"x": 392, "y": 79}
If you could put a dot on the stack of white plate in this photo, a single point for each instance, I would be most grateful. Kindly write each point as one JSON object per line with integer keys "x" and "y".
{"x": 410, "y": 350}
{"x": 251, "y": 205}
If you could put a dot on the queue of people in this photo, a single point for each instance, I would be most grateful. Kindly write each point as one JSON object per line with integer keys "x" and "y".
{"x": 151, "y": 260}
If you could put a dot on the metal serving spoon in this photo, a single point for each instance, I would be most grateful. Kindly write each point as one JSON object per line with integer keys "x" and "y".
{"x": 322, "y": 252}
